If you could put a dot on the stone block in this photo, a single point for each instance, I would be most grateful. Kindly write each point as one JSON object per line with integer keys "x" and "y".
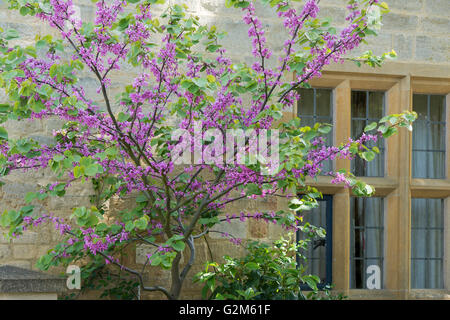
{"x": 276, "y": 231}
{"x": 17, "y": 263}
{"x": 29, "y": 175}
{"x": 400, "y": 23}
{"x": 28, "y": 237}
{"x": 221, "y": 248}
{"x": 337, "y": 14}
{"x": 53, "y": 124}
{"x": 141, "y": 252}
{"x": 437, "y": 7}
{"x": 24, "y": 252}
{"x": 435, "y": 25}
{"x": 28, "y": 30}
{"x": 236, "y": 41}
{"x": 3, "y": 239}
{"x": 258, "y": 229}
{"x": 276, "y": 35}
{"x": 19, "y": 129}
{"x": 379, "y": 45}
{"x": 236, "y": 228}
{"x": 17, "y": 190}
{"x": 68, "y": 202}
{"x": 44, "y": 140}
{"x": 404, "y": 46}
{"x": 410, "y": 6}
{"x": 19, "y": 280}
{"x": 201, "y": 253}
{"x": 5, "y": 252}
{"x": 432, "y": 49}
{"x": 90, "y": 86}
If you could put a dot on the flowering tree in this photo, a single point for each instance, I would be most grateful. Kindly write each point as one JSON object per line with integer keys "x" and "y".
{"x": 187, "y": 96}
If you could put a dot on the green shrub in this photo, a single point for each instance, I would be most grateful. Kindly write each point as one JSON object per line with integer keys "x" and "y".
{"x": 265, "y": 273}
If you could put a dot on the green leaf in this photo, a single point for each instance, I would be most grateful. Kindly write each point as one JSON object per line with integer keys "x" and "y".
{"x": 179, "y": 245}
{"x": 368, "y": 155}
{"x": 122, "y": 117}
{"x": 156, "y": 260}
{"x": 311, "y": 282}
{"x": 324, "y": 129}
{"x": 30, "y": 196}
{"x": 3, "y": 134}
{"x": 111, "y": 151}
{"x": 389, "y": 132}
{"x": 370, "y": 127}
{"x": 4, "y": 219}
{"x": 212, "y": 48}
{"x": 4, "y": 108}
{"x": 77, "y": 172}
{"x": 129, "y": 226}
{"x": 142, "y": 223}
{"x": 11, "y": 34}
{"x": 252, "y": 266}
{"x": 141, "y": 198}
{"x": 58, "y": 158}
{"x": 91, "y": 170}
{"x": 24, "y": 11}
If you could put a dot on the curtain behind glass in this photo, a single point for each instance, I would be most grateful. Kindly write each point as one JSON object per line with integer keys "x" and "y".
{"x": 367, "y": 237}
{"x": 316, "y": 252}
{"x": 427, "y": 243}
{"x": 315, "y": 105}
{"x": 367, "y": 107}
{"x": 429, "y": 137}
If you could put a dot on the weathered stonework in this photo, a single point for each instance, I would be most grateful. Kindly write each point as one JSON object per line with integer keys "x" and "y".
{"x": 417, "y": 29}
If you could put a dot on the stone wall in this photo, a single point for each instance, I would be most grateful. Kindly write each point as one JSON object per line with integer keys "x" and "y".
{"x": 417, "y": 29}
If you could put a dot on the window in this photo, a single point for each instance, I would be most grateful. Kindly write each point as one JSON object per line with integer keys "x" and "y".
{"x": 367, "y": 237}
{"x": 427, "y": 243}
{"x": 367, "y": 107}
{"x": 319, "y": 252}
{"x": 429, "y": 137}
{"x": 315, "y": 105}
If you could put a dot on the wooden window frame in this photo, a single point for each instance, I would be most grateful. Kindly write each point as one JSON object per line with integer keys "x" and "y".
{"x": 397, "y": 186}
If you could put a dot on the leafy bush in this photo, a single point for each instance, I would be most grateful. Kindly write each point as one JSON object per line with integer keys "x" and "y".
{"x": 265, "y": 273}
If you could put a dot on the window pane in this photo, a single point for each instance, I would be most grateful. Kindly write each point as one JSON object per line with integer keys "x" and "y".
{"x": 315, "y": 106}
{"x": 437, "y": 108}
{"x": 306, "y": 121}
{"x": 419, "y": 250}
{"x": 367, "y": 107}
{"x": 429, "y": 138}
{"x": 367, "y": 239}
{"x": 437, "y": 137}
{"x": 323, "y": 97}
{"x": 435, "y": 213}
{"x": 420, "y": 133}
{"x": 316, "y": 253}
{"x": 417, "y": 267}
{"x": 420, "y": 105}
{"x": 358, "y": 128}
{"x": 376, "y": 105}
{"x": 435, "y": 279}
{"x": 427, "y": 243}
{"x": 306, "y": 102}
{"x": 319, "y": 250}
{"x": 428, "y": 164}
{"x": 359, "y": 105}
{"x": 435, "y": 246}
